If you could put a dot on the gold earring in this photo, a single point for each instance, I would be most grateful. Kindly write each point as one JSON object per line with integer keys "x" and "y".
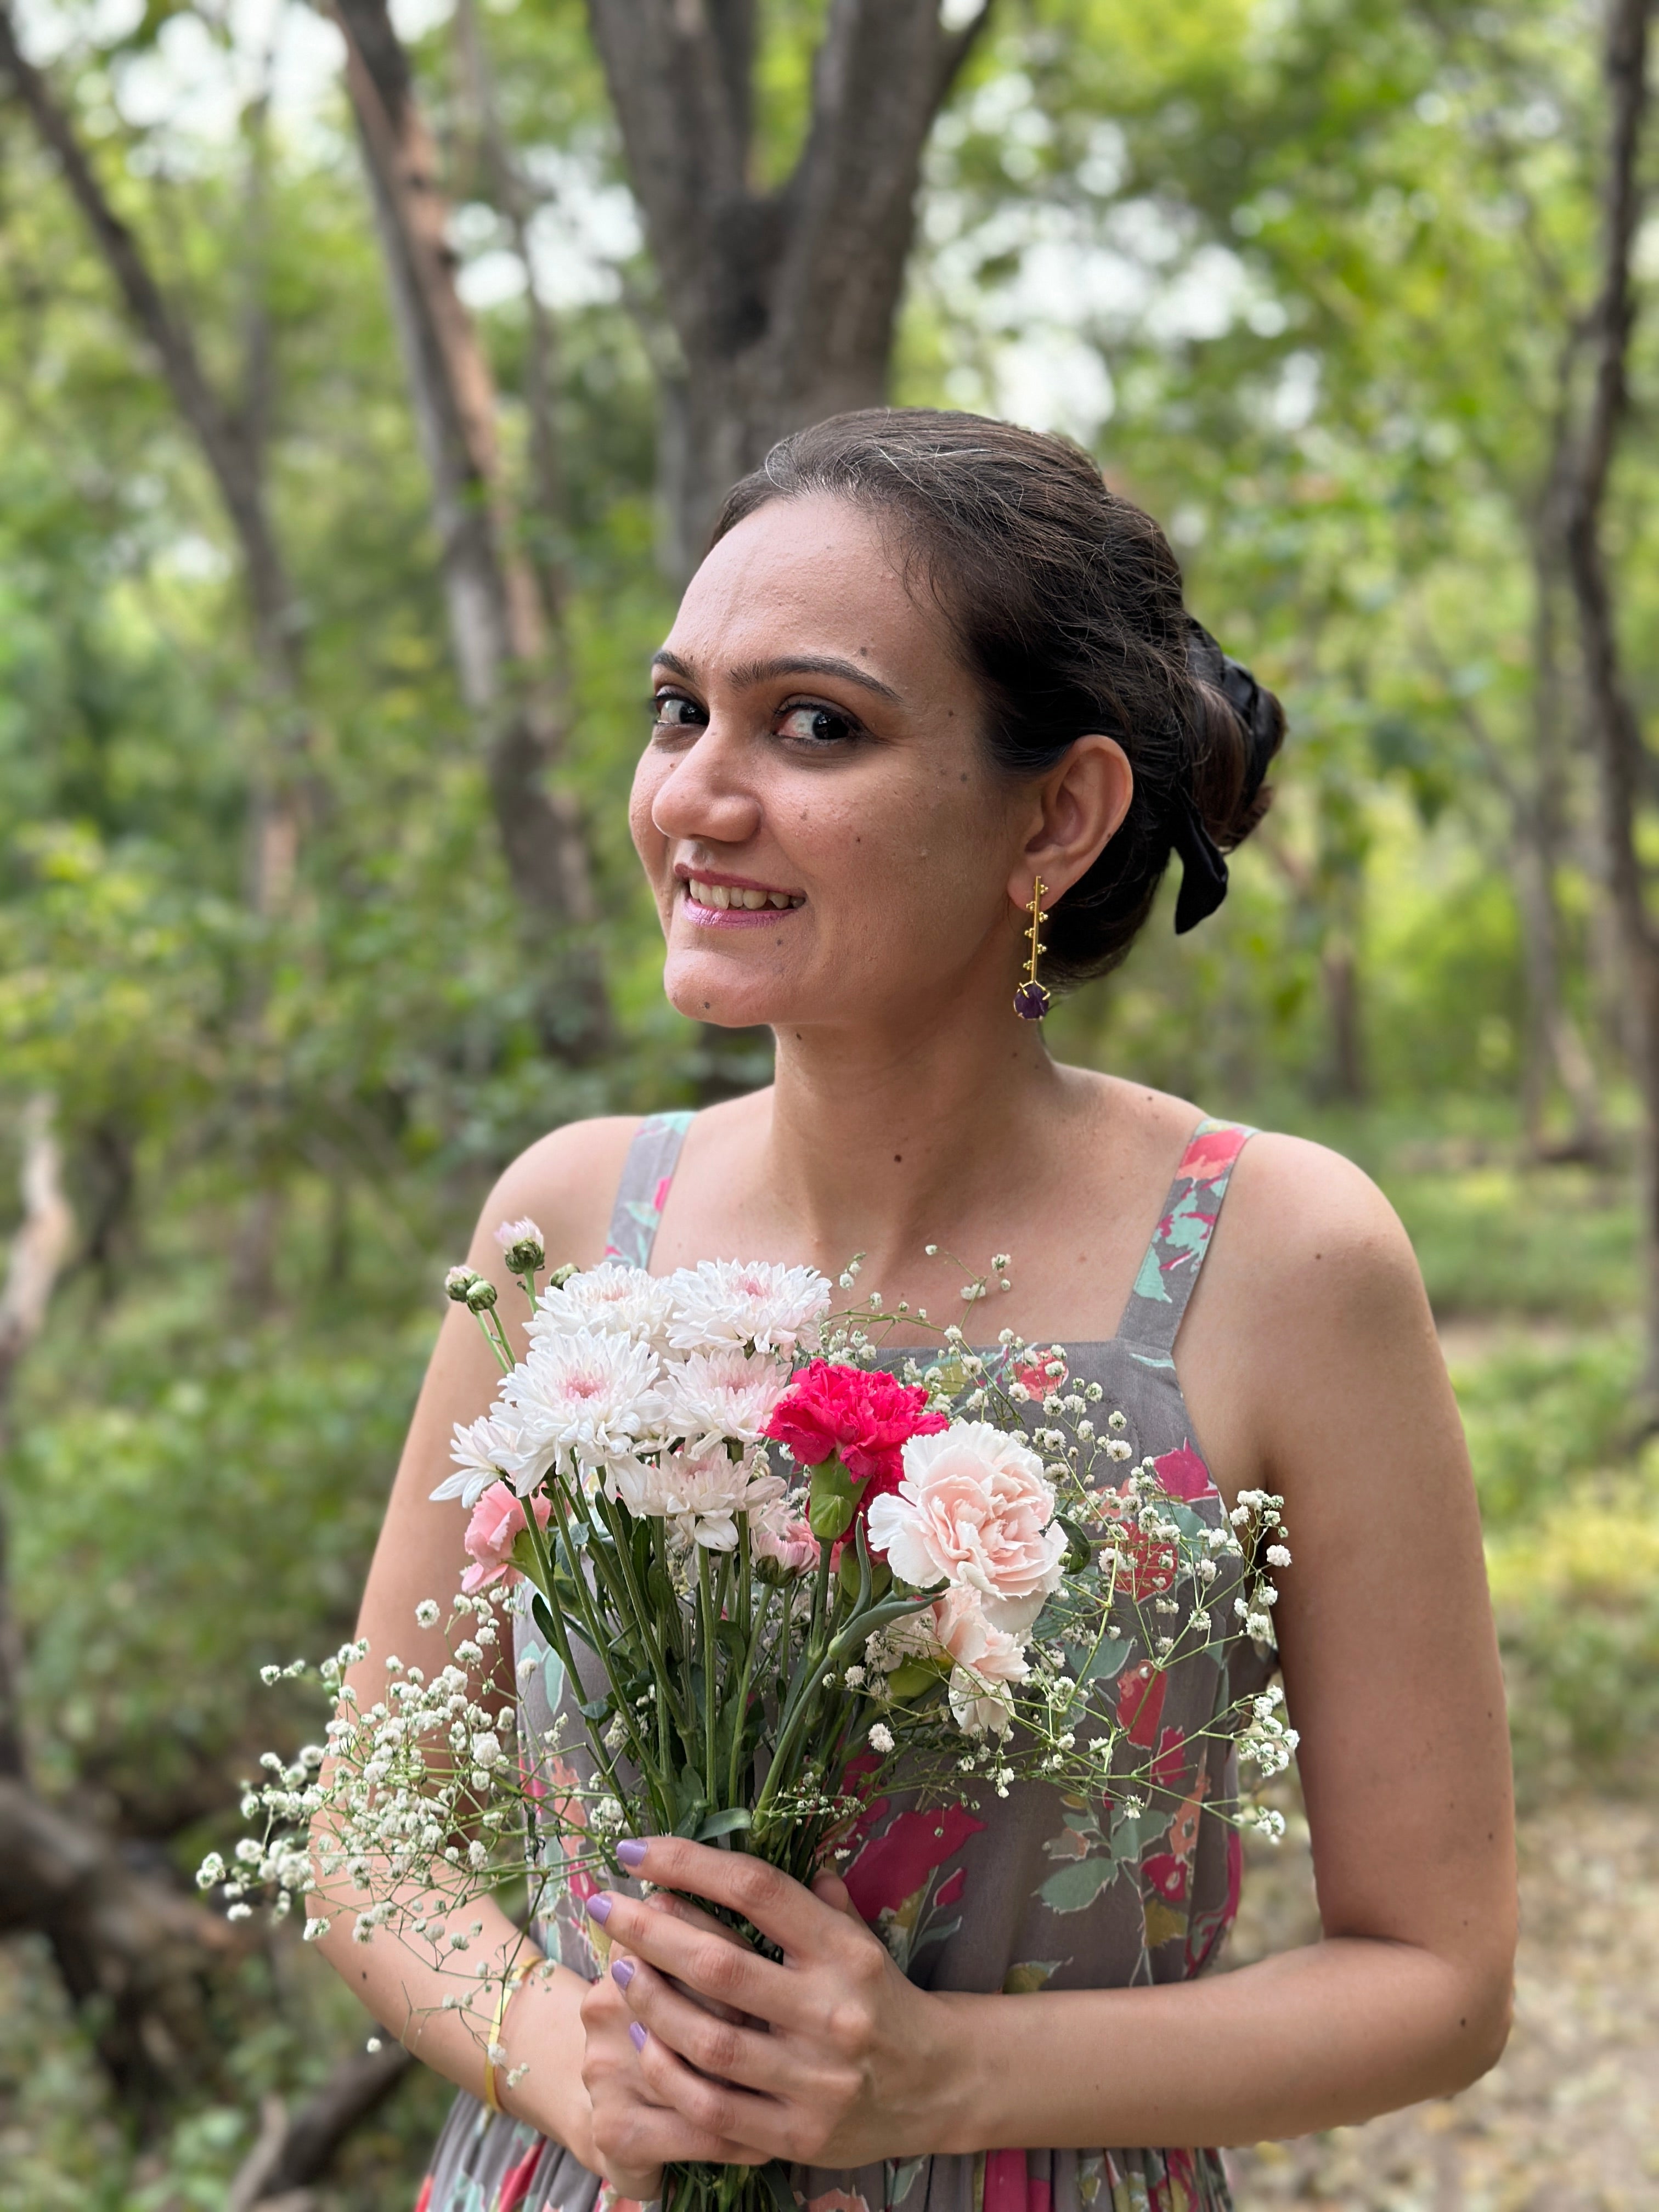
{"x": 1031, "y": 1000}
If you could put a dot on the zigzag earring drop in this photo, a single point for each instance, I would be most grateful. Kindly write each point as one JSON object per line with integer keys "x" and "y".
{"x": 1032, "y": 999}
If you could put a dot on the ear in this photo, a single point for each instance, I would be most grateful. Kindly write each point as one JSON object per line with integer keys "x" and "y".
{"x": 1076, "y": 811}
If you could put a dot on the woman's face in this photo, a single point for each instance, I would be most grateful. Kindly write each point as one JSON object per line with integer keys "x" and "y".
{"x": 827, "y": 842}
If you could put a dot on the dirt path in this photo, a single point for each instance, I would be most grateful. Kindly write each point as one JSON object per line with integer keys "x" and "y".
{"x": 1568, "y": 2121}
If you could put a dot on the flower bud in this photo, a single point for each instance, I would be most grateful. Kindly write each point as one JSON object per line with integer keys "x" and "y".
{"x": 480, "y": 1294}
{"x": 459, "y": 1281}
{"x": 524, "y": 1247}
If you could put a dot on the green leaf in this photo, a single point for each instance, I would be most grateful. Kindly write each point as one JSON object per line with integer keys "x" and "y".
{"x": 1078, "y": 1549}
{"x": 723, "y": 1824}
{"x": 831, "y": 1501}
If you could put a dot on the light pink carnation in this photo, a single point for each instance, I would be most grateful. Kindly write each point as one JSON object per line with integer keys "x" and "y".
{"x": 974, "y": 1509}
{"x": 994, "y": 1654}
{"x": 497, "y": 1520}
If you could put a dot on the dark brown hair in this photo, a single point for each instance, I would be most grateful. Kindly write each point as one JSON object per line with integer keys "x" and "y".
{"x": 1066, "y": 601}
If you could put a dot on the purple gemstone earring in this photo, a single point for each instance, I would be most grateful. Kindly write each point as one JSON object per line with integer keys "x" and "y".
{"x": 1031, "y": 1000}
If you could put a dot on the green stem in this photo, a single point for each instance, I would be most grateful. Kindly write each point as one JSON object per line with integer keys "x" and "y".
{"x": 544, "y": 1579}
{"x": 495, "y": 1338}
{"x": 596, "y": 1636}
{"x": 637, "y": 1598}
{"x": 710, "y": 1653}
{"x": 756, "y": 1629}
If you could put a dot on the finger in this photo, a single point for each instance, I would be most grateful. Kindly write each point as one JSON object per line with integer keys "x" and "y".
{"x": 715, "y": 2109}
{"x": 829, "y": 1889}
{"x": 728, "y": 2050}
{"x": 694, "y": 1915}
{"x": 680, "y": 1908}
{"x": 712, "y": 1969}
{"x": 639, "y": 2135}
{"x": 781, "y": 1909}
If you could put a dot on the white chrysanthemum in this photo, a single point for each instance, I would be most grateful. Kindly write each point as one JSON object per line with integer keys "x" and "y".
{"x": 585, "y": 1400}
{"x": 714, "y": 1396}
{"x": 700, "y": 1494}
{"x": 752, "y": 1301}
{"x": 483, "y": 1452}
{"x": 614, "y": 1299}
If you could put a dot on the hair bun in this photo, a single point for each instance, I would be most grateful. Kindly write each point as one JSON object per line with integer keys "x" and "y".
{"x": 1235, "y": 749}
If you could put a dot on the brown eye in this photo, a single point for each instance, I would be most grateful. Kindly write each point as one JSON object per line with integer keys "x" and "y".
{"x": 819, "y": 725}
{"x": 672, "y": 710}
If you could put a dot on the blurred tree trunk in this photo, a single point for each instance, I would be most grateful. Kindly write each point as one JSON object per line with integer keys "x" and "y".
{"x": 784, "y": 302}
{"x": 510, "y": 678}
{"x": 503, "y": 181}
{"x": 1554, "y": 1051}
{"x": 1615, "y": 730}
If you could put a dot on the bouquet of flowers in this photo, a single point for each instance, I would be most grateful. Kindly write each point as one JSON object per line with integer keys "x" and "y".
{"x": 771, "y": 1577}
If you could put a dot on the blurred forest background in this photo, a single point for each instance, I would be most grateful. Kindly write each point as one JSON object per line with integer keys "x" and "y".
{"x": 366, "y": 380}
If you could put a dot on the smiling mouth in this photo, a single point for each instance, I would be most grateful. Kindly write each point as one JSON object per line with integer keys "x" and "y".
{"x": 723, "y": 897}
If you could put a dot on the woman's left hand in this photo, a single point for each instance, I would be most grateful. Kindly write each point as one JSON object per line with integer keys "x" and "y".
{"x": 841, "y": 2060}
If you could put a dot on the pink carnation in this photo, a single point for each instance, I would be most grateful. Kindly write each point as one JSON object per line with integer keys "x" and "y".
{"x": 974, "y": 1509}
{"x": 497, "y": 1520}
{"x": 776, "y": 1533}
{"x": 863, "y": 1416}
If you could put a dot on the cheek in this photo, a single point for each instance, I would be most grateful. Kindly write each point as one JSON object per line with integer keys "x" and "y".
{"x": 648, "y": 841}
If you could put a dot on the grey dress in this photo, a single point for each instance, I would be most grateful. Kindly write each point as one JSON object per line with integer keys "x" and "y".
{"x": 1024, "y": 1893}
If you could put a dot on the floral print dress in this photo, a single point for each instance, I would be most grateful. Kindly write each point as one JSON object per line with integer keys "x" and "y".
{"x": 1021, "y": 1894}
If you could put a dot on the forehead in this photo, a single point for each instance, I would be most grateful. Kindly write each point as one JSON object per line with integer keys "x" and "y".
{"x": 814, "y": 575}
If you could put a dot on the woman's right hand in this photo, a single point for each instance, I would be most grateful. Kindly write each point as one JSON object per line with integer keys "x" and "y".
{"x": 631, "y": 2137}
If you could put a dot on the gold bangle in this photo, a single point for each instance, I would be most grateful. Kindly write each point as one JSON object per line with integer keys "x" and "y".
{"x": 510, "y": 1982}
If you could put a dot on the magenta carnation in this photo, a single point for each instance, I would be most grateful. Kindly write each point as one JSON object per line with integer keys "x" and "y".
{"x": 861, "y": 1416}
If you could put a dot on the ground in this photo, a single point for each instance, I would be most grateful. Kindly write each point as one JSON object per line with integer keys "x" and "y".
{"x": 1569, "y": 2120}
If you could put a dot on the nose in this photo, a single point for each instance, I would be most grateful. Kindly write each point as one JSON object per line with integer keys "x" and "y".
{"x": 708, "y": 793}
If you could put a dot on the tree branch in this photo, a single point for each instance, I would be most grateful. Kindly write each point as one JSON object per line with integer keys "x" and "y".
{"x": 293, "y": 2149}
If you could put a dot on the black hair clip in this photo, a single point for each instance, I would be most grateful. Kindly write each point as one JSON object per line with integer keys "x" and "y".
{"x": 1203, "y": 869}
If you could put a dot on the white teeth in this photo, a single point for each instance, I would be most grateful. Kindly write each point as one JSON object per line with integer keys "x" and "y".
{"x": 722, "y": 896}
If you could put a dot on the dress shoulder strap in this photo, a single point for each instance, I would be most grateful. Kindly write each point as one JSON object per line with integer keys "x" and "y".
{"x": 642, "y": 1195}
{"x": 1158, "y": 1300}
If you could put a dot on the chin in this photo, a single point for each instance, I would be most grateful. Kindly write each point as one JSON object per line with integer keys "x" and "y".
{"x": 705, "y": 990}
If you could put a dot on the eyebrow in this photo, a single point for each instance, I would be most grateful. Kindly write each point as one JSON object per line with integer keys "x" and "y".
{"x": 810, "y": 663}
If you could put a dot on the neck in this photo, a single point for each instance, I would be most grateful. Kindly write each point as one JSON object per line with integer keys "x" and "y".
{"x": 884, "y": 1137}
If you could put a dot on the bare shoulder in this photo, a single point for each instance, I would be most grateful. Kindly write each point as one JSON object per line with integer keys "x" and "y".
{"x": 1296, "y": 1203}
{"x": 565, "y": 1182}
{"x": 1310, "y": 1260}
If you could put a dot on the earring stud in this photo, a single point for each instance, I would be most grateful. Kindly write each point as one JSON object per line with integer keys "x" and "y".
{"x": 1032, "y": 999}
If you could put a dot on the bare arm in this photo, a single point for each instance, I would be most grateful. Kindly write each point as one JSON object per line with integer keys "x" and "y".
{"x": 564, "y": 1183}
{"x": 1313, "y": 1370}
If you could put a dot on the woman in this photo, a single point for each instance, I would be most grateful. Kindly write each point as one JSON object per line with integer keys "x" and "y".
{"x": 930, "y": 661}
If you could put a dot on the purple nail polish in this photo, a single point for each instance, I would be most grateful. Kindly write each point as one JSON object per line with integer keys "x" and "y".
{"x": 636, "y": 2035}
{"x": 621, "y": 1973}
{"x": 598, "y": 1908}
{"x": 630, "y": 1851}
